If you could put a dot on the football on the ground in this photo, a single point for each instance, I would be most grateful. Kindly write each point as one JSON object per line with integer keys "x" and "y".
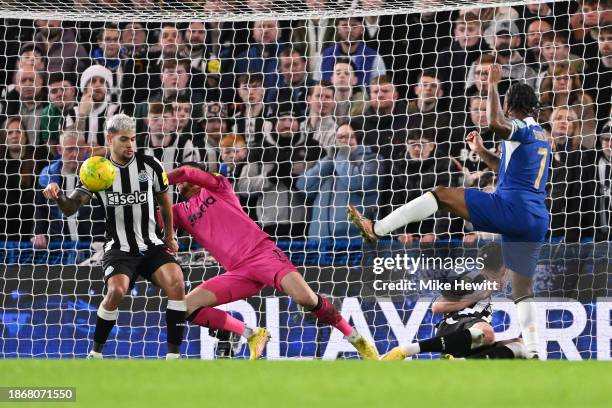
{"x": 97, "y": 173}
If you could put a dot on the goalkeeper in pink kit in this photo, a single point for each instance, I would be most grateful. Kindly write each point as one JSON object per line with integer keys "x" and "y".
{"x": 212, "y": 214}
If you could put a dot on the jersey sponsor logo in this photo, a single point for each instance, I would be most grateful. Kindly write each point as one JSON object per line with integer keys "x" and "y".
{"x": 143, "y": 176}
{"x": 201, "y": 210}
{"x": 121, "y": 199}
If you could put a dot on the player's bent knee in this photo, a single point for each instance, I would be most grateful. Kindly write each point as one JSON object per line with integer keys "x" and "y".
{"x": 175, "y": 288}
{"x": 114, "y": 294}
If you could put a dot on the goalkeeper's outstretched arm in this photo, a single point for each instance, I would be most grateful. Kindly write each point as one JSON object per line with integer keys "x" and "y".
{"x": 194, "y": 175}
{"x": 68, "y": 204}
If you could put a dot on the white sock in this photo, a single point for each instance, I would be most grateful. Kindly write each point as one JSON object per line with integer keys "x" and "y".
{"x": 110, "y": 315}
{"x": 353, "y": 337}
{"x": 529, "y": 328}
{"x": 412, "y": 349}
{"x": 416, "y": 210}
{"x": 179, "y": 305}
{"x": 248, "y": 331}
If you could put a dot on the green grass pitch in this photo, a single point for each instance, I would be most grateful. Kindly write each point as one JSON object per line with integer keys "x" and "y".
{"x": 313, "y": 384}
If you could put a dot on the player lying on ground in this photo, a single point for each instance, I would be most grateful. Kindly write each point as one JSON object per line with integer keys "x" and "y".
{"x": 132, "y": 247}
{"x": 213, "y": 216}
{"x": 466, "y": 330}
{"x": 517, "y": 208}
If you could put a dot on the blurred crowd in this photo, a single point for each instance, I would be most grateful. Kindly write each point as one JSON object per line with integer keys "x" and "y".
{"x": 307, "y": 116}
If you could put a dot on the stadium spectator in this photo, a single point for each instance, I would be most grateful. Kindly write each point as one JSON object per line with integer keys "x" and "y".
{"x": 555, "y": 50}
{"x": 571, "y": 188}
{"x": 453, "y": 63}
{"x": 214, "y": 125}
{"x": 476, "y": 120}
{"x": 428, "y": 34}
{"x": 50, "y": 224}
{"x": 60, "y": 48}
{"x": 134, "y": 41}
{"x": 295, "y": 81}
{"x": 350, "y": 44}
{"x": 386, "y": 118}
{"x": 564, "y": 88}
{"x": 584, "y": 25}
{"x": 506, "y": 42}
{"x": 183, "y": 110}
{"x": 311, "y": 37}
{"x": 320, "y": 123}
{"x": 59, "y": 113}
{"x": 95, "y": 107}
{"x": 598, "y": 76}
{"x": 162, "y": 140}
{"x": 426, "y": 110}
{"x": 127, "y": 86}
{"x": 603, "y": 175}
{"x": 481, "y": 75}
{"x": 349, "y": 176}
{"x": 169, "y": 46}
{"x": 263, "y": 55}
{"x": 533, "y": 43}
{"x": 272, "y": 172}
{"x": 415, "y": 170}
{"x": 31, "y": 56}
{"x": 350, "y": 98}
{"x": 203, "y": 62}
{"x": 388, "y": 36}
{"x": 250, "y": 116}
{"x": 18, "y": 166}
{"x": 175, "y": 79}
{"x": 26, "y": 100}
{"x": 234, "y": 155}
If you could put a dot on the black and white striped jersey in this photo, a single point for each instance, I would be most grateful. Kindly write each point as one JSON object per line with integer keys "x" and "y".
{"x": 130, "y": 204}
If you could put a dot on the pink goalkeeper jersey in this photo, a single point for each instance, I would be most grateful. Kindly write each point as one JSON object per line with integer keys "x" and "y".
{"x": 215, "y": 218}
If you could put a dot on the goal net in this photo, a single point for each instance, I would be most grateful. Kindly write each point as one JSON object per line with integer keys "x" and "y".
{"x": 306, "y": 107}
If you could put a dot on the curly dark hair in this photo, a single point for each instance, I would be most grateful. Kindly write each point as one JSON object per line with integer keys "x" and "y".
{"x": 522, "y": 98}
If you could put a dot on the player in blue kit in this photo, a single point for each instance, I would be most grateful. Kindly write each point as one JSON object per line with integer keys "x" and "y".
{"x": 516, "y": 209}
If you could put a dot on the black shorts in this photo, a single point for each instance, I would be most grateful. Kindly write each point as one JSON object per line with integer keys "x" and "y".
{"x": 460, "y": 323}
{"x": 117, "y": 262}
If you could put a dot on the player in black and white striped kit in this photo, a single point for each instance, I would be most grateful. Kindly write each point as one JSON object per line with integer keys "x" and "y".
{"x": 466, "y": 330}
{"x": 132, "y": 246}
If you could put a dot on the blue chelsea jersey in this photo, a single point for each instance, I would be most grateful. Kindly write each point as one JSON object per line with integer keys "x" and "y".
{"x": 523, "y": 169}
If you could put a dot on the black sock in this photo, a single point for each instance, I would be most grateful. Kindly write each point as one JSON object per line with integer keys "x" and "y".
{"x": 103, "y": 329}
{"x": 194, "y": 314}
{"x": 493, "y": 353}
{"x": 455, "y": 343}
{"x": 175, "y": 323}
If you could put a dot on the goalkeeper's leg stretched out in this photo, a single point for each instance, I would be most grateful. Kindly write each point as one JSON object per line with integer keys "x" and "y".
{"x": 270, "y": 267}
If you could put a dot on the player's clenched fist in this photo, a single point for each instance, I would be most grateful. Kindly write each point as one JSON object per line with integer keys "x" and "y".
{"x": 474, "y": 141}
{"x": 51, "y": 192}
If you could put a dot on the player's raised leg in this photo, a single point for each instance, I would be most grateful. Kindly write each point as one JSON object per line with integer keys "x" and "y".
{"x": 457, "y": 343}
{"x": 294, "y": 285}
{"x": 169, "y": 278}
{"x": 217, "y": 291}
{"x": 449, "y": 198}
{"x": 116, "y": 287}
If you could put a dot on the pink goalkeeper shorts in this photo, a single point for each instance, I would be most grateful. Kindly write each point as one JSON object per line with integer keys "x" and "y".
{"x": 266, "y": 267}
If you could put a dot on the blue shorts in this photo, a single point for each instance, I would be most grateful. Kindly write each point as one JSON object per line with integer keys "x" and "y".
{"x": 521, "y": 224}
